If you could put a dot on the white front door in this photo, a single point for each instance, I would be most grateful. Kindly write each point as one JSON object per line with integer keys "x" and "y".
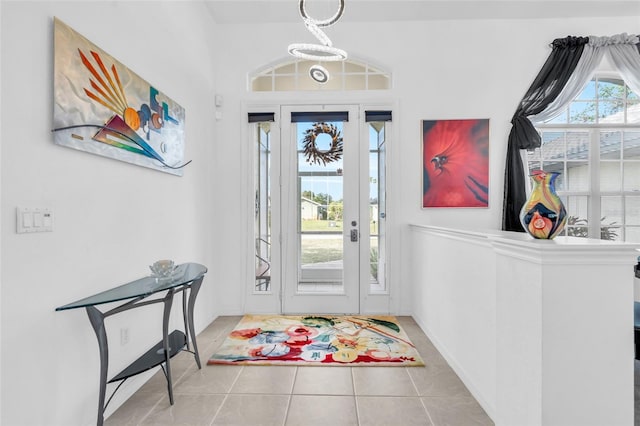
{"x": 324, "y": 209}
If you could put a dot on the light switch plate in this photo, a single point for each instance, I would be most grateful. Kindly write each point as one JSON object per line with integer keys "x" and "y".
{"x": 34, "y": 219}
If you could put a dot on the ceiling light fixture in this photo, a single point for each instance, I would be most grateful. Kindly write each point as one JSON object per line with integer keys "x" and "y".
{"x": 319, "y": 73}
{"x": 318, "y": 52}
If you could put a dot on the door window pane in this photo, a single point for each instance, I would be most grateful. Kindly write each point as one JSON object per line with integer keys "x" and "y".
{"x": 262, "y": 208}
{"x": 320, "y": 208}
{"x": 377, "y": 206}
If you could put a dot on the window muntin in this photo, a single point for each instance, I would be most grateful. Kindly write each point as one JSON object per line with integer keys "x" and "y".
{"x": 595, "y": 144}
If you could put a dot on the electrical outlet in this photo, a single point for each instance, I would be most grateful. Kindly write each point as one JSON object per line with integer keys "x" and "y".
{"x": 124, "y": 336}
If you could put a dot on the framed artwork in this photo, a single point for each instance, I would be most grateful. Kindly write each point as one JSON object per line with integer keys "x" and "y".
{"x": 102, "y": 107}
{"x": 455, "y": 163}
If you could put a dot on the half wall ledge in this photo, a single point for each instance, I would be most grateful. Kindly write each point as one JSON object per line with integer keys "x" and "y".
{"x": 540, "y": 331}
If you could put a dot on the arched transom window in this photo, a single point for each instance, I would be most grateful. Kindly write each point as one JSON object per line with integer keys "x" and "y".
{"x": 293, "y": 75}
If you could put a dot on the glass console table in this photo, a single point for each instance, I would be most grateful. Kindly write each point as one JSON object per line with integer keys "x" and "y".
{"x": 187, "y": 278}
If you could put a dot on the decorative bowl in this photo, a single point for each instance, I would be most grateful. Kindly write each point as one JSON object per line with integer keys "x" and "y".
{"x": 162, "y": 268}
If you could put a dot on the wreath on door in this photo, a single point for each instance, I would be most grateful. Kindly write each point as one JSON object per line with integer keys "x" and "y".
{"x": 318, "y": 156}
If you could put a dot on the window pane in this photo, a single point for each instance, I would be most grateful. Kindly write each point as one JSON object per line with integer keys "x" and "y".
{"x": 631, "y": 174}
{"x": 553, "y": 145}
{"x": 262, "y": 84}
{"x": 611, "y": 233}
{"x": 611, "y": 112}
{"x": 577, "y": 205}
{"x": 610, "y": 178}
{"x": 535, "y": 166}
{"x": 534, "y": 155}
{"x": 631, "y": 143}
{"x": 286, "y": 69}
{"x": 632, "y": 210}
{"x": 633, "y": 112}
{"x": 378, "y": 82}
{"x": 320, "y": 208}
{"x": 611, "y": 210}
{"x": 610, "y": 144}
{"x": 610, "y": 89}
{"x": 284, "y": 83}
{"x": 632, "y": 235}
{"x": 262, "y": 208}
{"x": 582, "y": 112}
{"x": 578, "y": 177}
{"x": 351, "y": 67}
{"x": 355, "y": 82}
{"x": 377, "y": 206}
{"x": 578, "y": 145}
{"x": 577, "y": 214}
{"x": 589, "y": 92}
{"x": 561, "y": 118}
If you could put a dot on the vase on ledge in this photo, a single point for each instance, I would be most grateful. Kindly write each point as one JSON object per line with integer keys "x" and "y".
{"x": 543, "y": 216}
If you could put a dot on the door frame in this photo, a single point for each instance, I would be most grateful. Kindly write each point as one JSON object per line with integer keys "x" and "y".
{"x": 387, "y": 302}
{"x": 295, "y": 301}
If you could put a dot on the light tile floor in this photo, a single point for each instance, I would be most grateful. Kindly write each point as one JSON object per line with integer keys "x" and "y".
{"x": 303, "y": 396}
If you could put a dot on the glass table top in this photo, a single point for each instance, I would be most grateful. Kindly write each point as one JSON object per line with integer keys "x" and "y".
{"x": 146, "y": 286}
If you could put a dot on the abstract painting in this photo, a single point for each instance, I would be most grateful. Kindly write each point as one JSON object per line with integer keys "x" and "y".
{"x": 102, "y": 107}
{"x": 317, "y": 340}
{"x": 455, "y": 163}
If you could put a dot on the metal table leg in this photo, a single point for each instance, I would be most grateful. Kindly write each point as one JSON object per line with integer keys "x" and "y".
{"x": 168, "y": 301}
{"x": 97, "y": 321}
{"x": 195, "y": 288}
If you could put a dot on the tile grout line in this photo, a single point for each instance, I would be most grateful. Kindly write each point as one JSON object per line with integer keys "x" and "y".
{"x": 226, "y": 395}
{"x": 420, "y": 397}
{"x": 293, "y": 383}
{"x": 355, "y": 395}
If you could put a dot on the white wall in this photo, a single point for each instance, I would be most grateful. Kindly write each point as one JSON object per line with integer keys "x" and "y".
{"x": 441, "y": 70}
{"x": 112, "y": 219}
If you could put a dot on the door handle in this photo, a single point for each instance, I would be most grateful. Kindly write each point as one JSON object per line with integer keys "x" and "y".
{"x": 354, "y": 235}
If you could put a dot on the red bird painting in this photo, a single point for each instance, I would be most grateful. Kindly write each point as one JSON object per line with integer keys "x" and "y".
{"x": 455, "y": 163}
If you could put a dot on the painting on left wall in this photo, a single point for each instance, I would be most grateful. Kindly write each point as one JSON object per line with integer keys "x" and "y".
{"x": 102, "y": 107}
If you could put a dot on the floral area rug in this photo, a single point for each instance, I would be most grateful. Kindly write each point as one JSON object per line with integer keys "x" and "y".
{"x": 317, "y": 340}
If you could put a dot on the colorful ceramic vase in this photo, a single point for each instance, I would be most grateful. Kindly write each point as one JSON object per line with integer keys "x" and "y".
{"x": 543, "y": 216}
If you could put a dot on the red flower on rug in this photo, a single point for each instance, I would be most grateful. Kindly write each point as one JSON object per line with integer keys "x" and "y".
{"x": 300, "y": 335}
{"x": 245, "y": 334}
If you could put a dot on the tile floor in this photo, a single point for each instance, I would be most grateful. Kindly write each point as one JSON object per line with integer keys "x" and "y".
{"x": 303, "y": 396}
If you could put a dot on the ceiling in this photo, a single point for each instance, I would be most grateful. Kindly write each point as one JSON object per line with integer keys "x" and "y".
{"x": 285, "y": 11}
